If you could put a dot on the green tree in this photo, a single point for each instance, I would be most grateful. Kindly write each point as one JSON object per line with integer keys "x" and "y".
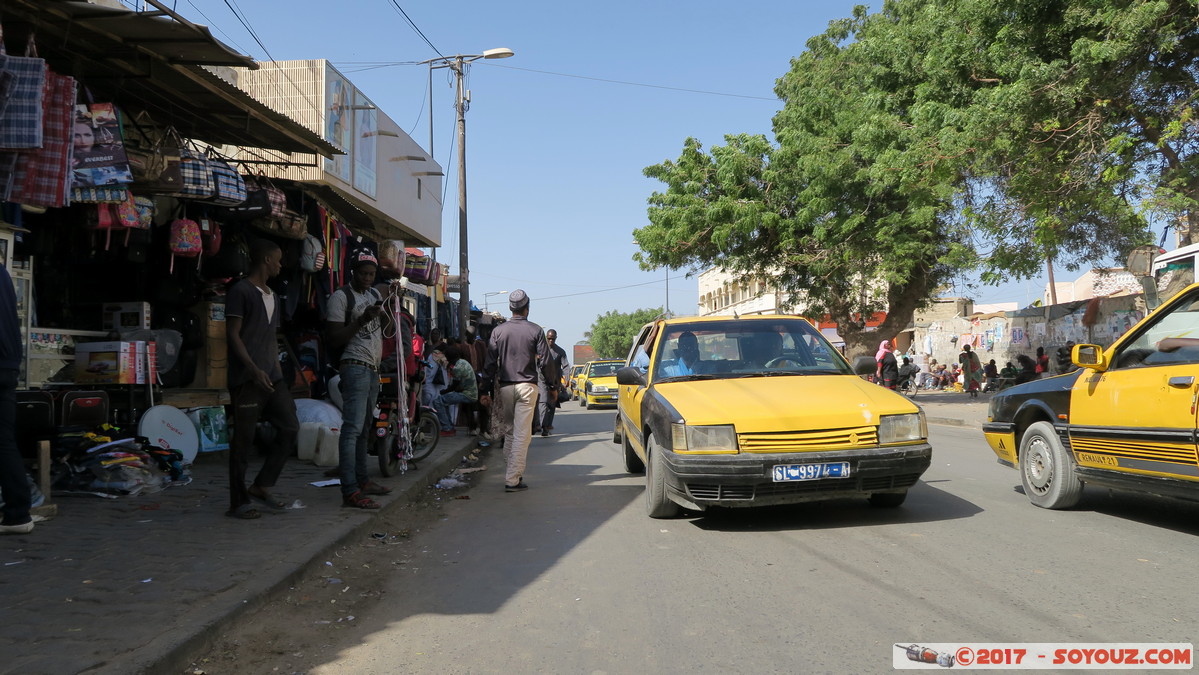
{"x": 846, "y": 214}
{"x": 612, "y": 334}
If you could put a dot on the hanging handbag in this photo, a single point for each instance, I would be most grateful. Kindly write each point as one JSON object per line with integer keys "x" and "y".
{"x": 196, "y": 174}
{"x": 21, "y": 123}
{"x": 256, "y": 205}
{"x": 228, "y": 187}
{"x": 169, "y": 165}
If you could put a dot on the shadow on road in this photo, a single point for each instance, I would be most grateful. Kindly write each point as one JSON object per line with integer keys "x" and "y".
{"x": 924, "y": 504}
{"x": 1171, "y": 514}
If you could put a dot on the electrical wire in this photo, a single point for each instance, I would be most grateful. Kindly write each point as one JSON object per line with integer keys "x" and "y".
{"x": 636, "y": 84}
{"x": 412, "y": 23}
{"x": 372, "y": 65}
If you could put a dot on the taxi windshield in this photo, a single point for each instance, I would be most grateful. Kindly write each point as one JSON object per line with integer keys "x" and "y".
{"x": 603, "y": 369}
{"x": 746, "y": 348}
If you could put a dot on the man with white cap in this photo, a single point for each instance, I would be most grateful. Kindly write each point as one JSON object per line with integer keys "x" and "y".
{"x": 516, "y": 352}
{"x": 355, "y": 318}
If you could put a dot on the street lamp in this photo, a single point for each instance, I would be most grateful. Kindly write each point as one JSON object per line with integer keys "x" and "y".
{"x": 457, "y": 63}
{"x": 487, "y": 296}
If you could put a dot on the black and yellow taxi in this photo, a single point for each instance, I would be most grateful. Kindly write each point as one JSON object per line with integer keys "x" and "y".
{"x": 599, "y": 383}
{"x": 1125, "y": 419}
{"x": 749, "y": 411}
{"x": 572, "y": 380}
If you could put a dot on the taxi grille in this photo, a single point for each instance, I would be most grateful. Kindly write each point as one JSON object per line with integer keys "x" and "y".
{"x": 718, "y": 492}
{"x": 808, "y": 441}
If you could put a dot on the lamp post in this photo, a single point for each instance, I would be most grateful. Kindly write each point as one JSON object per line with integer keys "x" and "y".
{"x": 457, "y": 63}
{"x": 487, "y": 296}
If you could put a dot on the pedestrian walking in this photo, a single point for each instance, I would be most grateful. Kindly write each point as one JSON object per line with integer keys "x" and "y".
{"x": 256, "y": 384}
{"x": 514, "y": 354}
{"x": 14, "y": 483}
{"x": 549, "y": 390}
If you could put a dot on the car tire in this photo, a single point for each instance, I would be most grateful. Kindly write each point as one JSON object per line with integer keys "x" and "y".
{"x": 583, "y": 401}
{"x": 887, "y": 500}
{"x": 657, "y": 503}
{"x": 1047, "y": 470}
{"x": 632, "y": 463}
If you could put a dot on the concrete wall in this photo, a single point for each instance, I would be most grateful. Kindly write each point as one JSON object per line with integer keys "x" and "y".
{"x": 1003, "y": 336}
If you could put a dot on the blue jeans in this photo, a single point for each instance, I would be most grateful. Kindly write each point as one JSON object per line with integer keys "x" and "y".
{"x": 442, "y": 405}
{"x": 359, "y": 392}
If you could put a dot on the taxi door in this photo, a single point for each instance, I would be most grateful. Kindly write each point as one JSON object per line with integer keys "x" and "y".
{"x": 628, "y": 404}
{"x": 1139, "y": 415}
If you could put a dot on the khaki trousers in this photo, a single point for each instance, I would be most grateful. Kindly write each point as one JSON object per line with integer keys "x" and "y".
{"x": 518, "y": 403}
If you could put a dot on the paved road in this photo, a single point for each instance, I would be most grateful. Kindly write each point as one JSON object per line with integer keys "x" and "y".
{"x": 572, "y": 577}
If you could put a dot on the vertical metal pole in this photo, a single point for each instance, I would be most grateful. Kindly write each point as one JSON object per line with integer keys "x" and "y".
{"x": 463, "y": 258}
{"x": 667, "y": 291}
{"x": 431, "y": 155}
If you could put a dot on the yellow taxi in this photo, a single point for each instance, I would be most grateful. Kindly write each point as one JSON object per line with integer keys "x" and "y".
{"x": 1126, "y": 419}
{"x": 572, "y": 382}
{"x": 599, "y": 383}
{"x": 748, "y": 411}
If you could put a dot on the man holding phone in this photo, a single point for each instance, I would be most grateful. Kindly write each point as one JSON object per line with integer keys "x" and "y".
{"x": 356, "y": 319}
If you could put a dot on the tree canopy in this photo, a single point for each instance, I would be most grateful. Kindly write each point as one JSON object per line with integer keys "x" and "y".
{"x": 612, "y": 334}
{"x": 937, "y": 137}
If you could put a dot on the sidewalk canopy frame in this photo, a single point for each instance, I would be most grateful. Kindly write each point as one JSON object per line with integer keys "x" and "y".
{"x": 160, "y": 62}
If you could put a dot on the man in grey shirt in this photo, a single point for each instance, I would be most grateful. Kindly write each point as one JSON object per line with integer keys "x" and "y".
{"x": 515, "y": 354}
{"x": 355, "y": 320}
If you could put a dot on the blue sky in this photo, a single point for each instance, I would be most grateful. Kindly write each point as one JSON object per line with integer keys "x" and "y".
{"x": 555, "y": 163}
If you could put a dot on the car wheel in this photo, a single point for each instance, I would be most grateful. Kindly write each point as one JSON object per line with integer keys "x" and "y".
{"x": 632, "y": 463}
{"x": 1047, "y": 470}
{"x": 657, "y": 503}
{"x": 888, "y": 500}
{"x": 583, "y": 400}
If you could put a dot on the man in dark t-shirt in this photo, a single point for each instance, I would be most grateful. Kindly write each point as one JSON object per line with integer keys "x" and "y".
{"x": 14, "y": 486}
{"x": 256, "y": 382}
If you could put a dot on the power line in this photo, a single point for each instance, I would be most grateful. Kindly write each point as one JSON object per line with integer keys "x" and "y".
{"x": 412, "y": 23}
{"x": 638, "y": 84}
{"x": 372, "y": 65}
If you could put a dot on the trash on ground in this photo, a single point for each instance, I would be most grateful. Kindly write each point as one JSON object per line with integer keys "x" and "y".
{"x": 462, "y": 497}
{"x": 472, "y": 469}
{"x": 297, "y": 504}
{"x": 326, "y": 483}
{"x": 449, "y": 484}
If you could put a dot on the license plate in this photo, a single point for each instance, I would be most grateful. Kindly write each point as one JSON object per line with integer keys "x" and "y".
{"x": 784, "y": 473}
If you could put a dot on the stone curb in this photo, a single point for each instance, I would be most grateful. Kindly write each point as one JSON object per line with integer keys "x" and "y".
{"x": 201, "y": 636}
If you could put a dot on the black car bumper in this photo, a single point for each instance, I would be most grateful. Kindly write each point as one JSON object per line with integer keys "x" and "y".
{"x": 746, "y": 479}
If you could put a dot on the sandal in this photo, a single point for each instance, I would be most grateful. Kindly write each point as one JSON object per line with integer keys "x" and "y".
{"x": 244, "y": 512}
{"x": 370, "y": 487}
{"x": 265, "y": 497}
{"x": 359, "y": 501}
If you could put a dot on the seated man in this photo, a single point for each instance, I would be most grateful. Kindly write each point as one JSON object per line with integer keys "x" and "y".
{"x": 907, "y": 371}
{"x": 688, "y": 362}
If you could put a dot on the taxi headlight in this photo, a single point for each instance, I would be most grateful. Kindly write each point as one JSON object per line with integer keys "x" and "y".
{"x": 717, "y": 438}
{"x": 600, "y": 389}
{"x": 902, "y": 428}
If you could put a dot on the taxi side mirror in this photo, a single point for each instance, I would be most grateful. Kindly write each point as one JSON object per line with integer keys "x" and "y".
{"x": 630, "y": 376}
{"x": 1089, "y": 356}
{"x": 864, "y": 365}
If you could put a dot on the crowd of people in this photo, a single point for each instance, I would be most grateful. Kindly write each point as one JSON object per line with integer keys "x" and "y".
{"x": 503, "y": 390}
{"x": 969, "y": 374}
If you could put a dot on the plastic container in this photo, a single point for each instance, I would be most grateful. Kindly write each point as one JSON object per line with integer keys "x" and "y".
{"x": 307, "y": 440}
{"x": 327, "y": 447}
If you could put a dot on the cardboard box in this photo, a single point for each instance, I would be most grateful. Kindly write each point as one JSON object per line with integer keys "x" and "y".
{"x": 212, "y": 370}
{"x": 114, "y": 362}
{"x": 123, "y": 316}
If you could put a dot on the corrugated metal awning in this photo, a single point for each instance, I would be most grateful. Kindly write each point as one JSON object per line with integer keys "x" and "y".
{"x": 155, "y": 61}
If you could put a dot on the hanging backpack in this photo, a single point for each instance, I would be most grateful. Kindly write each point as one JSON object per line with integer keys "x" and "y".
{"x": 210, "y": 237}
{"x": 312, "y": 257}
{"x": 105, "y": 219}
{"x": 185, "y": 240}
